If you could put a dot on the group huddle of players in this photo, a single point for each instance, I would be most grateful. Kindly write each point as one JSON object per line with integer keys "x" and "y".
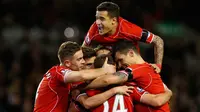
{"x": 112, "y": 77}
{"x": 127, "y": 84}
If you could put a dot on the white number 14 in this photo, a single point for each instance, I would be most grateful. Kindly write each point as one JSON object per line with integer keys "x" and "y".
{"x": 119, "y": 100}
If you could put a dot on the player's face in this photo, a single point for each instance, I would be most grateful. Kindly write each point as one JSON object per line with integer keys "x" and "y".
{"x": 104, "y": 22}
{"x": 77, "y": 62}
{"x": 122, "y": 60}
{"x": 89, "y": 62}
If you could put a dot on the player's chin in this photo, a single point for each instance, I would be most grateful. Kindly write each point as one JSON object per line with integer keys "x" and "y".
{"x": 101, "y": 33}
{"x": 82, "y": 67}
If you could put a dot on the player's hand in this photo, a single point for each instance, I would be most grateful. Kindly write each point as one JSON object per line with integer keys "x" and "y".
{"x": 108, "y": 67}
{"x": 124, "y": 90}
{"x": 75, "y": 93}
{"x": 156, "y": 67}
{"x": 166, "y": 88}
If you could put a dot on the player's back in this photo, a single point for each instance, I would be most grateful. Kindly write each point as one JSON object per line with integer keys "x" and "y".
{"x": 52, "y": 92}
{"x": 146, "y": 78}
{"x": 117, "y": 103}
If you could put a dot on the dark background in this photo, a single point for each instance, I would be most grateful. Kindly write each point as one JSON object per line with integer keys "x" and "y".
{"x": 32, "y": 30}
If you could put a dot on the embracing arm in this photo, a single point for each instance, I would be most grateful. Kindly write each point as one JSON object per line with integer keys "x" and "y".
{"x": 96, "y": 100}
{"x": 158, "y": 49}
{"x": 83, "y": 75}
{"x": 102, "y": 81}
{"x": 156, "y": 99}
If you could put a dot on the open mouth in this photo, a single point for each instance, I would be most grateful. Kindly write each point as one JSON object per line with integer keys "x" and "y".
{"x": 100, "y": 28}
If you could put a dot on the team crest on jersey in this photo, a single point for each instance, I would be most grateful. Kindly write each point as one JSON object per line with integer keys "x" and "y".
{"x": 65, "y": 71}
{"x": 87, "y": 39}
{"x": 140, "y": 89}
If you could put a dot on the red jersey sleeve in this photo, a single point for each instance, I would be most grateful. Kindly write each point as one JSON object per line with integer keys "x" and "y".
{"x": 62, "y": 73}
{"x": 90, "y": 34}
{"x": 137, "y": 93}
{"x": 136, "y": 72}
{"x": 134, "y": 32}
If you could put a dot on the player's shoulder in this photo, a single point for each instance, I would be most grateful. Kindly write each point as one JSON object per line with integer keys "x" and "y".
{"x": 61, "y": 70}
{"x": 143, "y": 66}
{"x": 93, "y": 29}
{"x": 128, "y": 27}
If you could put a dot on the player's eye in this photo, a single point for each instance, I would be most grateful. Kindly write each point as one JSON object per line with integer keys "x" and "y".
{"x": 79, "y": 59}
{"x": 102, "y": 18}
{"x": 89, "y": 64}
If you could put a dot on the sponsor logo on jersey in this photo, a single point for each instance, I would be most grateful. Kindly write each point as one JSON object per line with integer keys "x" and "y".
{"x": 65, "y": 71}
{"x": 140, "y": 89}
{"x": 87, "y": 39}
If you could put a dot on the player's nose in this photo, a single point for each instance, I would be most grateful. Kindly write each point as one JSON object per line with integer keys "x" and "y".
{"x": 82, "y": 61}
{"x": 98, "y": 21}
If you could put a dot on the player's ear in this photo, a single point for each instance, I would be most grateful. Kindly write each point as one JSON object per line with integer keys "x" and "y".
{"x": 131, "y": 53}
{"x": 67, "y": 63}
{"x": 114, "y": 20}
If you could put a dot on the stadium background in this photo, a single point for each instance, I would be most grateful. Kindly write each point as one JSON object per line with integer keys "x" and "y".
{"x": 32, "y": 30}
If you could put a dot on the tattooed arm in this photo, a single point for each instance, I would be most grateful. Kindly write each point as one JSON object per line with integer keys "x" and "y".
{"x": 158, "y": 49}
{"x": 102, "y": 81}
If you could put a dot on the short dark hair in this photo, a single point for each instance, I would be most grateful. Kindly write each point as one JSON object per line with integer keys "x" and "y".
{"x": 88, "y": 52}
{"x": 123, "y": 46}
{"x": 99, "y": 61}
{"x": 112, "y": 8}
{"x": 67, "y": 50}
{"x": 100, "y": 47}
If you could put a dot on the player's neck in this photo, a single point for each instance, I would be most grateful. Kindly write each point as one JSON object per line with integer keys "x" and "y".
{"x": 140, "y": 61}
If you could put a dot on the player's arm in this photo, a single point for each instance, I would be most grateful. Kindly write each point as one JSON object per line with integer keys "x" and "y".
{"x": 83, "y": 75}
{"x": 158, "y": 43}
{"x": 89, "y": 74}
{"x": 143, "y": 35}
{"x": 96, "y": 100}
{"x": 115, "y": 78}
{"x": 156, "y": 99}
{"x": 158, "y": 49}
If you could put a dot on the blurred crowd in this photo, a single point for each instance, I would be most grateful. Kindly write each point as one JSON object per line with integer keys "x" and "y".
{"x": 32, "y": 30}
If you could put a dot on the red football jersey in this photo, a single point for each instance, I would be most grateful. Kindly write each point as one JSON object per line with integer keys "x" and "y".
{"x": 118, "y": 103}
{"x": 146, "y": 78}
{"x": 125, "y": 30}
{"x": 52, "y": 93}
{"x": 73, "y": 106}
